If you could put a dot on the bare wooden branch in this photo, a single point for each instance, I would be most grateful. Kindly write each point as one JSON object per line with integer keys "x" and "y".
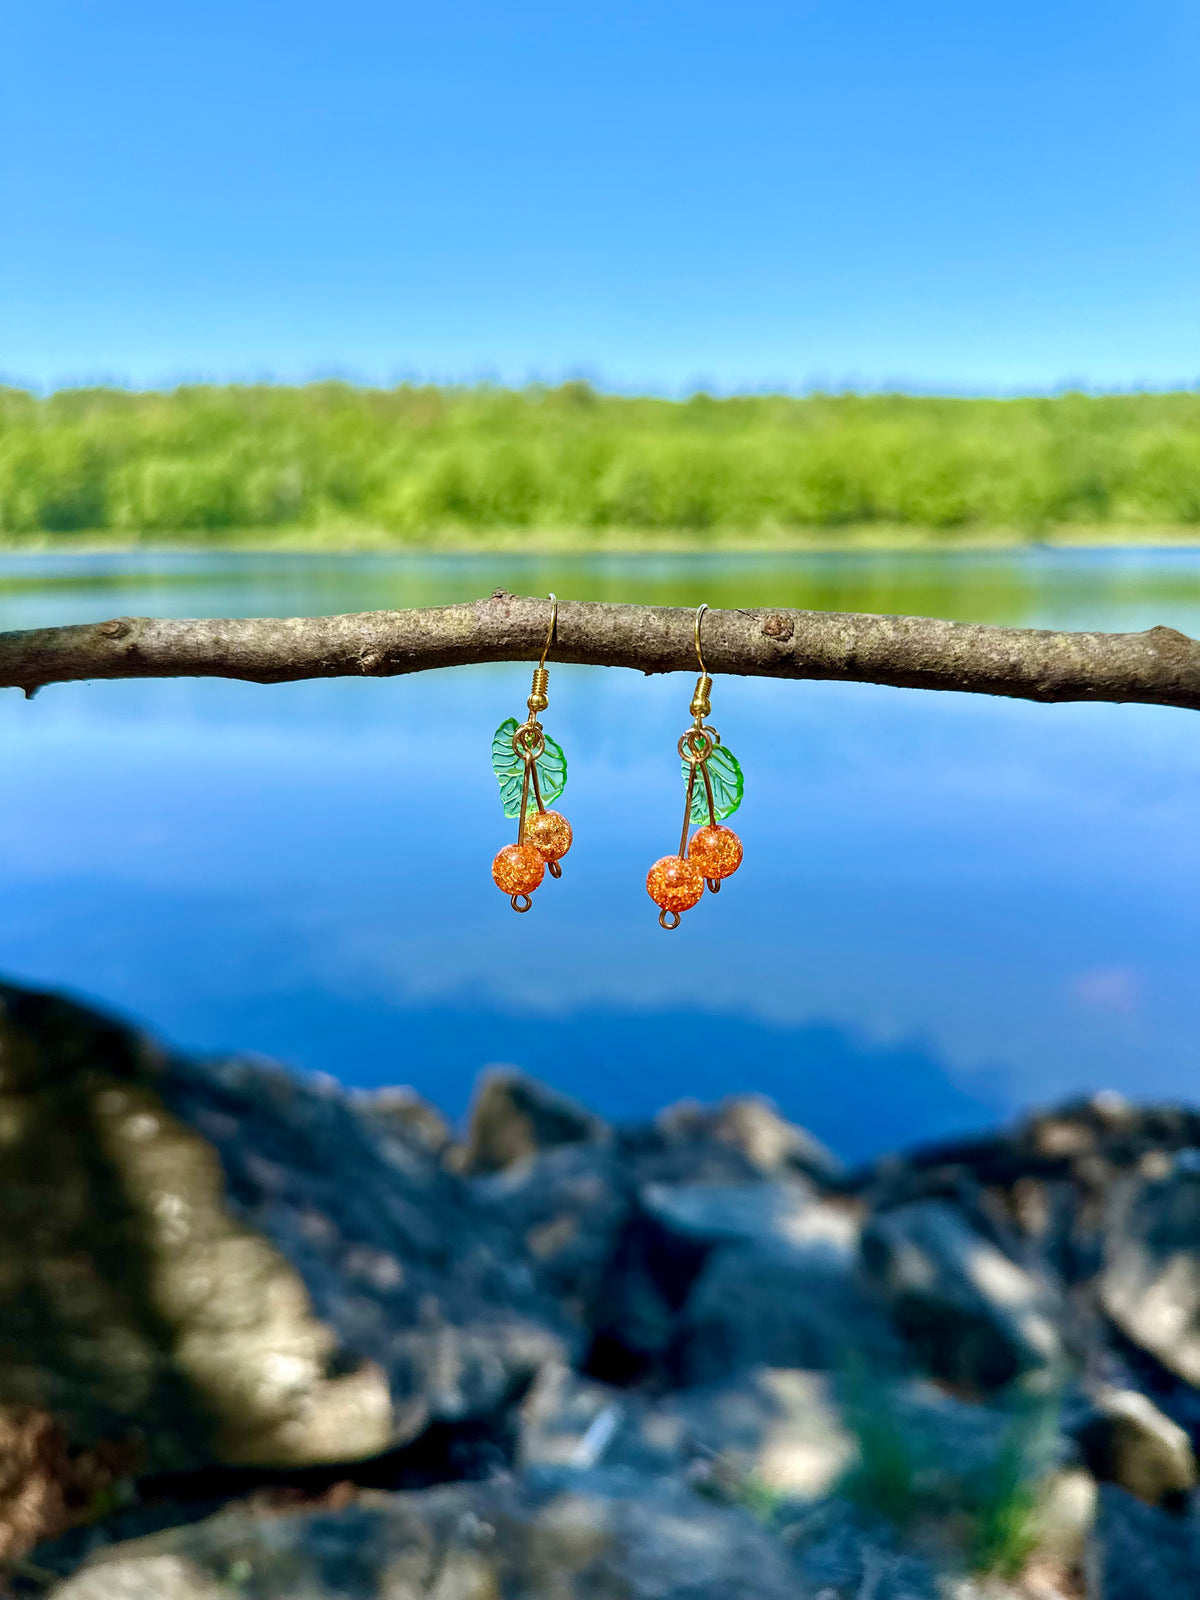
{"x": 1158, "y": 667}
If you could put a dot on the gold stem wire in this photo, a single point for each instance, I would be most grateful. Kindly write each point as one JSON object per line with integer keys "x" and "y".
{"x": 687, "y": 810}
{"x": 524, "y": 801}
{"x": 708, "y": 793}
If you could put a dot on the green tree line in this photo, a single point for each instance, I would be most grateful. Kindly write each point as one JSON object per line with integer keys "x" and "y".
{"x": 415, "y": 461}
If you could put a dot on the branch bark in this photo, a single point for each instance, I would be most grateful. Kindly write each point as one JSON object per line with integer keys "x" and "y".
{"x": 1158, "y": 667}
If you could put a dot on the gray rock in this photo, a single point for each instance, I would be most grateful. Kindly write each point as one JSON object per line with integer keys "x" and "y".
{"x": 228, "y": 1263}
{"x": 1150, "y": 1283}
{"x": 1140, "y": 1553}
{"x": 752, "y": 1125}
{"x": 598, "y": 1537}
{"x": 1064, "y": 1517}
{"x": 771, "y": 1432}
{"x": 777, "y": 1306}
{"x": 902, "y": 1448}
{"x": 970, "y": 1312}
{"x": 401, "y": 1111}
{"x": 514, "y": 1117}
{"x": 843, "y": 1554}
{"x": 645, "y": 1284}
{"x": 567, "y": 1420}
{"x": 781, "y": 1431}
{"x": 715, "y": 1213}
{"x": 1037, "y": 1582}
{"x": 1127, "y": 1440}
{"x": 682, "y": 1146}
{"x": 566, "y": 1210}
{"x": 779, "y": 1287}
{"x": 620, "y": 1257}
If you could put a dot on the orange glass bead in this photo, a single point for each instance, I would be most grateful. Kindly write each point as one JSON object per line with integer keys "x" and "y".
{"x": 715, "y": 851}
{"x": 674, "y": 884}
{"x": 518, "y": 869}
{"x": 549, "y": 834}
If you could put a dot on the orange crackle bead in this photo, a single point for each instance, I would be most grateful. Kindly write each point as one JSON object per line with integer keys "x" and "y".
{"x": 549, "y": 833}
{"x": 715, "y": 851}
{"x": 674, "y": 884}
{"x": 518, "y": 869}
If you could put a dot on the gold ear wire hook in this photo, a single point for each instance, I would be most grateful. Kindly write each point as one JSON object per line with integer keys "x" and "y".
{"x": 541, "y": 678}
{"x": 550, "y": 633}
{"x": 701, "y": 705}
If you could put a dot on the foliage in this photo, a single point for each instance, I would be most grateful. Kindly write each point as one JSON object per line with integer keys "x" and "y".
{"x": 423, "y": 461}
{"x": 909, "y": 1477}
{"x": 1004, "y": 1532}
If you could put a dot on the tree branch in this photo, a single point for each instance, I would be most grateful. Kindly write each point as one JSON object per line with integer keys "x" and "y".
{"x": 1158, "y": 667}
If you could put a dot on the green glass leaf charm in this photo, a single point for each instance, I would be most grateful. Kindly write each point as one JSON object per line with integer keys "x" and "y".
{"x": 510, "y": 770}
{"x": 725, "y": 775}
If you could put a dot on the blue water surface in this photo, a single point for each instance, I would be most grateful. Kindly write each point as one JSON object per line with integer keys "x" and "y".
{"x": 951, "y": 906}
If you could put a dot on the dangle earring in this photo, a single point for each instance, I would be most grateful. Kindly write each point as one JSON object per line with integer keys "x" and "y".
{"x": 533, "y": 773}
{"x": 714, "y": 792}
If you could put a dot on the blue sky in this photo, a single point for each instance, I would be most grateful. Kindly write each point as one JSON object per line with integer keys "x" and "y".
{"x": 988, "y": 197}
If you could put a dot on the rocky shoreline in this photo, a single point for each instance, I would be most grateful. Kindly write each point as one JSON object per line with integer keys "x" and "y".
{"x": 265, "y": 1336}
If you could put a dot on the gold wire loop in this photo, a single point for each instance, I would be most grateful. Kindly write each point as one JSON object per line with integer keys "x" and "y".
{"x": 668, "y": 920}
{"x": 714, "y": 885}
{"x": 528, "y": 741}
{"x": 696, "y": 745}
{"x": 554, "y": 868}
{"x": 518, "y": 897}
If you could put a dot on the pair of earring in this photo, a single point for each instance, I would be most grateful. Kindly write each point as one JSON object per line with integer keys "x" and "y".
{"x": 532, "y": 771}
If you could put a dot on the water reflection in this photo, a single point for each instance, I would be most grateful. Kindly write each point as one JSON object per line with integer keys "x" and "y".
{"x": 950, "y": 904}
{"x": 1054, "y": 587}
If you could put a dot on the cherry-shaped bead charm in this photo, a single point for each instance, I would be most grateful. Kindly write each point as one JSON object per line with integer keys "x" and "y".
{"x": 549, "y": 833}
{"x": 674, "y": 885}
{"x": 532, "y": 771}
{"x": 715, "y": 852}
{"x": 517, "y": 870}
{"x": 713, "y": 779}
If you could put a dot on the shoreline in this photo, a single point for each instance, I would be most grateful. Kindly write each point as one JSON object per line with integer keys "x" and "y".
{"x": 873, "y": 539}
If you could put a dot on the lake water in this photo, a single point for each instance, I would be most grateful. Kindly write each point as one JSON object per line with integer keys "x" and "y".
{"x": 951, "y": 906}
